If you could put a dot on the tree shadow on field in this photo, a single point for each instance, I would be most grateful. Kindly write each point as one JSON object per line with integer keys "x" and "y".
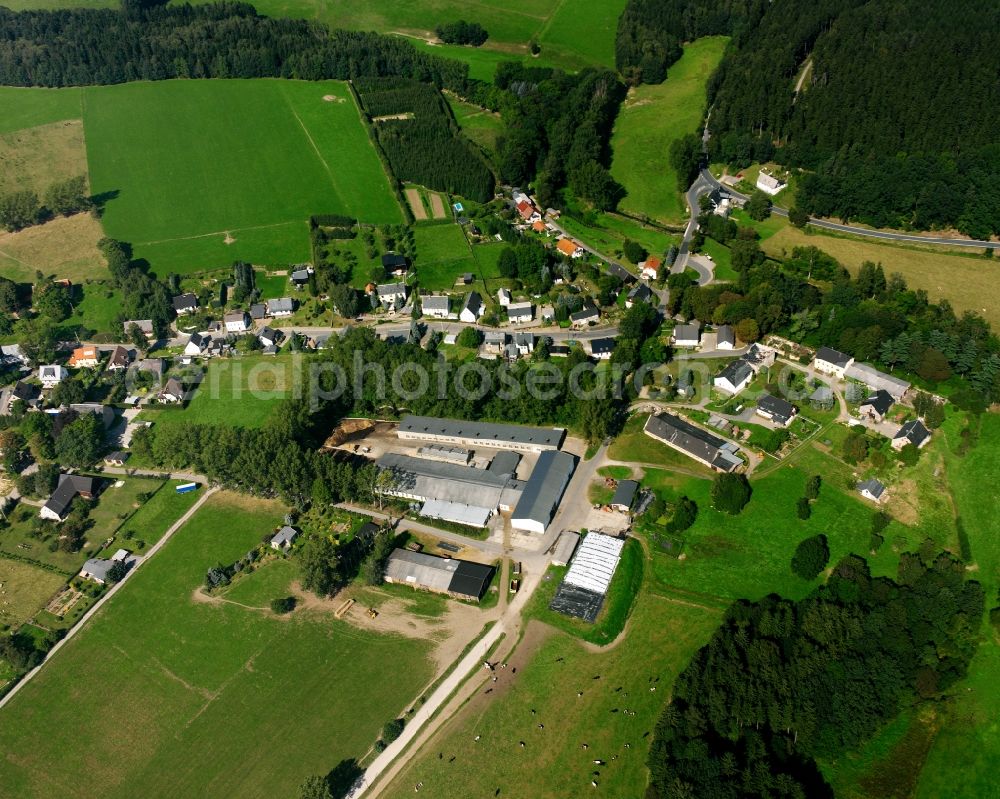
{"x": 102, "y": 199}
{"x": 343, "y": 777}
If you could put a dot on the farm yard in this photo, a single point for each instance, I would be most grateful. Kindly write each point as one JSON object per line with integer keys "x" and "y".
{"x": 650, "y": 120}
{"x": 208, "y": 687}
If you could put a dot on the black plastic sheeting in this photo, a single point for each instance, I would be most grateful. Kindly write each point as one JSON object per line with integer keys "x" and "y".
{"x": 582, "y": 603}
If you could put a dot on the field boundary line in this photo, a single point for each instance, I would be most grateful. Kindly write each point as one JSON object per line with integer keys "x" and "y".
{"x": 319, "y": 155}
{"x": 216, "y": 233}
{"x": 110, "y": 593}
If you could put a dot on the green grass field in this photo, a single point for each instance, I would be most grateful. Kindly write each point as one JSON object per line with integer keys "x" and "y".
{"x": 188, "y": 171}
{"x": 28, "y": 108}
{"x": 25, "y": 591}
{"x": 241, "y": 392}
{"x": 443, "y": 254}
{"x": 480, "y": 125}
{"x": 962, "y": 760}
{"x": 163, "y": 696}
{"x": 651, "y": 119}
{"x": 660, "y": 638}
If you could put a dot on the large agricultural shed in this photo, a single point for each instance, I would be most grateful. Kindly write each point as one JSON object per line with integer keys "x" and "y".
{"x": 585, "y": 585}
{"x": 542, "y": 492}
{"x": 482, "y": 434}
{"x": 459, "y": 578}
{"x": 450, "y": 491}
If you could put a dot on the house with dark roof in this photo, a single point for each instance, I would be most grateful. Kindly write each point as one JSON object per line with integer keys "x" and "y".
{"x": 687, "y": 335}
{"x": 119, "y": 359}
{"x": 70, "y": 487}
{"x": 877, "y": 405}
{"x": 588, "y": 315}
{"x": 725, "y": 337}
{"x": 640, "y": 292}
{"x": 912, "y": 432}
{"x": 392, "y": 295}
{"x": 300, "y": 277}
{"x": 186, "y": 303}
{"x": 258, "y": 311}
{"x": 524, "y": 341}
{"x": 624, "y": 496}
{"x": 472, "y": 308}
{"x": 520, "y": 312}
{"x": 734, "y": 377}
{"x": 197, "y": 344}
{"x": 116, "y": 458}
{"x": 269, "y": 337}
{"x": 872, "y": 489}
{"x": 831, "y": 362}
{"x": 779, "y": 411}
{"x": 693, "y": 441}
{"x": 437, "y": 306}
{"x": 28, "y": 393}
{"x": 602, "y": 348}
{"x": 173, "y": 391}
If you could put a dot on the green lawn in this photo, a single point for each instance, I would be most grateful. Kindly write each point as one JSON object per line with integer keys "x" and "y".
{"x": 97, "y": 310}
{"x": 163, "y": 696}
{"x": 443, "y": 254}
{"x": 187, "y": 170}
{"x": 962, "y": 760}
{"x": 270, "y": 581}
{"x": 27, "y": 108}
{"x": 242, "y": 392}
{"x": 660, "y": 638}
{"x": 651, "y": 119}
{"x": 151, "y": 520}
{"x": 479, "y": 124}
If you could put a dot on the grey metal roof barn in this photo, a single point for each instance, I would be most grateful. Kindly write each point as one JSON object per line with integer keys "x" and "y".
{"x": 693, "y": 441}
{"x": 422, "y": 479}
{"x": 453, "y": 576}
{"x": 500, "y": 436}
{"x": 876, "y": 380}
{"x": 505, "y": 462}
{"x": 543, "y": 491}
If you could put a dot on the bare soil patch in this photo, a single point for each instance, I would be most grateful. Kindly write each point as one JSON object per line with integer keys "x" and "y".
{"x": 437, "y": 206}
{"x": 416, "y": 204}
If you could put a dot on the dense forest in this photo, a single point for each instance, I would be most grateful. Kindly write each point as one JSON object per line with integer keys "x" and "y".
{"x": 895, "y": 122}
{"x": 423, "y": 144}
{"x": 222, "y": 40}
{"x": 650, "y": 32}
{"x": 557, "y": 129}
{"x": 827, "y": 672}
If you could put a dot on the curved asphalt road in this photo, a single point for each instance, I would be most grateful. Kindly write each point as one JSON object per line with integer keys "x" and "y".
{"x": 705, "y": 182}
